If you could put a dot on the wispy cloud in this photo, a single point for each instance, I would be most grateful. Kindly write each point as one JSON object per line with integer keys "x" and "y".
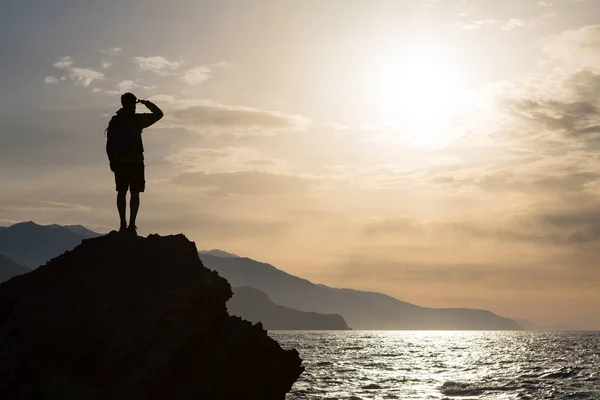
{"x": 196, "y": 75}
{"x": 50, "y": 79}
{"x": 41, "y": 205}
{"x": 199, "y": 74}
{"x": 226, "y": 159}
{"x": 84, "y": 76}
{"x": 157, "y": 64}
{"x": 207, "y": 117}
{"x": 111, "y": 51}
{"x": 125, "y": 86}
{"x": 576, "y": 48}
{"x": 244, "y": 183}
{"x": 513, "y": 23}
{"x": 81, "y": 76}
{"x": 64, "y": 63}
{"x": 478, "y": 24}
{"x": 108, "y": 55}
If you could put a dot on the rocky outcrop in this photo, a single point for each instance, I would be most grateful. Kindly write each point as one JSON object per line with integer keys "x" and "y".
{"x": 255, "y": 306}
{"x": 123, "y": 317}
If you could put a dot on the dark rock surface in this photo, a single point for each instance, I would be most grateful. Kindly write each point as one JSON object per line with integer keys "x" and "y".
{"x": 132, "y": 318}
{"x": 9, "y": 269}
{"x": 255, "y": 306}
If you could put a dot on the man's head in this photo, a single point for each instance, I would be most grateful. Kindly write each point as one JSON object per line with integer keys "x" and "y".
{"x": 128, "y": 101}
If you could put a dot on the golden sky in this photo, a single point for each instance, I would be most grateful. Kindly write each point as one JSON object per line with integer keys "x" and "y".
{"x": 444, "y": 152}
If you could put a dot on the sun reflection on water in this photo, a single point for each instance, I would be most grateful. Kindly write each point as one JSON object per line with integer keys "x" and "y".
{"x": 444, "y": 364}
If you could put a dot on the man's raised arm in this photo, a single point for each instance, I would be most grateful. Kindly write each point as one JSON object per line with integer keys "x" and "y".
{"x": 148, "y": 119}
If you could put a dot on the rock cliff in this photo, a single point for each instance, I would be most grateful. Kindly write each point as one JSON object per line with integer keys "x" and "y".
{"x": 123, "y": 317}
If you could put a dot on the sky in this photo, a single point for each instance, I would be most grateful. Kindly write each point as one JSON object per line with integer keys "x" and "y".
{"x": 444, "y": 152}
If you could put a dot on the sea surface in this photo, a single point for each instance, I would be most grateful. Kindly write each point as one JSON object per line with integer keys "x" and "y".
{"x": 445, "y": 365}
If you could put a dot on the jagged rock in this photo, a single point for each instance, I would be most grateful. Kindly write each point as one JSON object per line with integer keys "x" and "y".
{"x": 123, "y": 317}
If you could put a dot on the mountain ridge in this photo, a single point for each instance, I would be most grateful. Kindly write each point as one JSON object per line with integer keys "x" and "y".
{"x": 360, "y": 309}
{"x": 255, "y": 306}
{"x": 50, "y": 241}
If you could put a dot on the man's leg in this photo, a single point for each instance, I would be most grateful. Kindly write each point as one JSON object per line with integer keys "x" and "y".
{"x": 122, "y": 206}
{"x": 138, "y": 185}
{"x": 134, "y": 203}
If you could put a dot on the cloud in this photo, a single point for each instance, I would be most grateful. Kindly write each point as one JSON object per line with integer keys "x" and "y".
{"x": 513, "y": 23}
{"x": 513, "y": 229}
{"x": 226, "y": 159}
{"x": 221, "y": 64}
{"x": 161, "y": 97}
{"x": 576, "y": 48}
{"x": 528, "y": 179}
{"x": 157, "y": 64}
{"x": 109, "y": 54}
{"x": 111, "y": 51}
{"x": 196, "y": 75}
{"x": 478, "y": 24}
{"x": 209, "y": 117}
{"x": 81, "y": 76}
{"x": 41, "y": 205}
{"x": 64, "y": 63}
{"x": 84, "y": 76}
{"x": 125, "y": 86}
{"x": 395, "y": 226}
{"x": 50, "y": 79}
{"x": 244, "y": 183}
{"x": 566, "y": 116}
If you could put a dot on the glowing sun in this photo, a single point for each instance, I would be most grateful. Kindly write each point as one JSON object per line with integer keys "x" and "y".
{"x": 419, "y": 95}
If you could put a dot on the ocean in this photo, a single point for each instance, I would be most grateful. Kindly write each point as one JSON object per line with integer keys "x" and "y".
{"x": 358, "y": 365}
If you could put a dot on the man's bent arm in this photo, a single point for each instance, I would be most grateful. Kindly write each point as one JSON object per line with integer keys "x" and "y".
{"x": 147, "y": 119}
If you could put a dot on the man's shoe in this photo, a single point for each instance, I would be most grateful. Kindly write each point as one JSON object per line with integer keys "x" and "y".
{"x": 132, "y": 229}
{"x": 123, "y": 228}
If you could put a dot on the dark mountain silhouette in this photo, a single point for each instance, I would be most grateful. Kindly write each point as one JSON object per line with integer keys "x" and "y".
{"x": 32, "y": 245}
{"x": 79, "y": 230}
{"x": 255, "y": 306}
{"x": 361, "y": 310}
{"x": 125, "y": 317}
{"x": 9, "y": 268}
{"x": 218, "y": 253}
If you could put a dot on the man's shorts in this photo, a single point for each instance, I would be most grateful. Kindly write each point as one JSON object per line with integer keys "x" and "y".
{"x": 129, "y": 176}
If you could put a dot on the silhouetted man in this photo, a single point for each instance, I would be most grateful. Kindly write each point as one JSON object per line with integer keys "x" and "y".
{"x": 126, "y": 154}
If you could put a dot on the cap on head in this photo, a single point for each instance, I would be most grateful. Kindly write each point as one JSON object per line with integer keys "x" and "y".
{"x": 128, "y": 100}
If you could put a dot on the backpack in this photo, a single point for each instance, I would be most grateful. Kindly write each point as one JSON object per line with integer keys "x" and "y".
{"x": 118, "y": 137}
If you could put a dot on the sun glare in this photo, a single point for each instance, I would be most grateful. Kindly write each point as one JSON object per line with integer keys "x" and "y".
{"x": 419, "y": 95}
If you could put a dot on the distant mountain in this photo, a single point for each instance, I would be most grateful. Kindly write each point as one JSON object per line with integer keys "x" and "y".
{"x": 219, "y": 253}
{"x": 361, "y": 310}
{"x": 9, "y": 268}
{"x": 530, "y": 326}
{"x": 32, "y": 245}
{"x": 255, "y": 306}
{"x": 80, "y": 230}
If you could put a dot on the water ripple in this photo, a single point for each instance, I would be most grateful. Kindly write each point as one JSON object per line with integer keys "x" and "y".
{"x": 445, "y": 365}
